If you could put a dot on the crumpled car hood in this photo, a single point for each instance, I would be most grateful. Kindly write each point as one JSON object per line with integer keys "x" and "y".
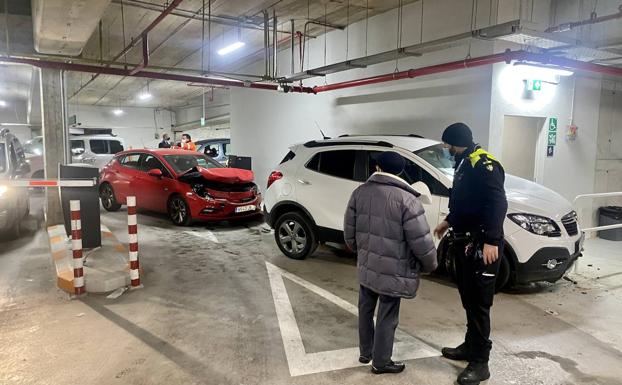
{"x": 223, "y": 175}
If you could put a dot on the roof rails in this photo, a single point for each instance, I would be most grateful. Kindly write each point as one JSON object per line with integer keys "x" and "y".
{"x": 315, "y": 143}
{"x": 406, "y": 135}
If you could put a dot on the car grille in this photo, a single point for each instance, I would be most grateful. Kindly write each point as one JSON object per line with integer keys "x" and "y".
{"x": 570, "y": 223}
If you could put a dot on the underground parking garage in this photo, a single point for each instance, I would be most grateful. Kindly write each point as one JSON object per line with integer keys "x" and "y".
{"x": 311, "y": 192}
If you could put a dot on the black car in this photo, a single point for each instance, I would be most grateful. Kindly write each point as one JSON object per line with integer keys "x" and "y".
{"x": 14, "y": 203}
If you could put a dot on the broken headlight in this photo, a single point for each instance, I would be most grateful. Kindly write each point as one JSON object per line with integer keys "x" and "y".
{"x": 201, "y": 191}
{"x": 536, "y": 224}
{"x": 255, "y": 190}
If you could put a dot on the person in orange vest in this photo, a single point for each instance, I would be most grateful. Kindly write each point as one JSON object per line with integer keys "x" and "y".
{"x": 187, "y": 143}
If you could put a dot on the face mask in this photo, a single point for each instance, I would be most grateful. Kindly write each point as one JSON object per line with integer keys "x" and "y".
{"x": 447, "y": 154}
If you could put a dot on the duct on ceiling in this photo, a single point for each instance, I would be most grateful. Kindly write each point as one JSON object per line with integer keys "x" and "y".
{"x": 62, "y": 27}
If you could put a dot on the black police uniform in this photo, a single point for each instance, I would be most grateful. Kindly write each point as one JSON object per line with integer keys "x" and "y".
{"x": 477, "y": 209}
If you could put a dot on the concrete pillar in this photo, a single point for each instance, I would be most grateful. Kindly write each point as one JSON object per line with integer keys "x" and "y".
{"x": 55, "y": 135}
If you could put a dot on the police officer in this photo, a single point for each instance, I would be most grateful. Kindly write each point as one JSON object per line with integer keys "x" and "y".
{"x": 477, "y": 209}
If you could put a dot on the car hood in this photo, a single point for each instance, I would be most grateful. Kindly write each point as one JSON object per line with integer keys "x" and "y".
{"x": 530, "y": 197}
{"x": 223, "y": 175}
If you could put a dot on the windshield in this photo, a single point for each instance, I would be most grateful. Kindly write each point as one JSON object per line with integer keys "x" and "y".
{"x": 2, "y": 159}
{"x": 34, "y": 146}
{"x": 183, "y": 163}
{"x": 436, "y": 157}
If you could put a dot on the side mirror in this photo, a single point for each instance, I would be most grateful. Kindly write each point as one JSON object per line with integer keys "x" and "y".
{"x": 23, "y": 169}
{"x": 156, "y": 172}
{"x": 424, "y": 190}
{"x": 77, "y": 151}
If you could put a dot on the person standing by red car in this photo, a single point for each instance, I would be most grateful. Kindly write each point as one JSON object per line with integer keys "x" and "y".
{"x": 187, "y": 143}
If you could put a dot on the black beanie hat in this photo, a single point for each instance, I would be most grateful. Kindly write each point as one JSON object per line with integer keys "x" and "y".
{"x": 391, "y": 162}
{"x": 458, "y": 134}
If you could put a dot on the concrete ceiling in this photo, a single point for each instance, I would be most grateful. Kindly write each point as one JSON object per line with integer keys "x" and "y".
{"x": 177, "y": 41}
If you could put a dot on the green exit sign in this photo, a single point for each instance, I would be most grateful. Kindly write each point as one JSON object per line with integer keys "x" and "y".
{"x": 536, "y": 85}
{"x": 202, "y": 121}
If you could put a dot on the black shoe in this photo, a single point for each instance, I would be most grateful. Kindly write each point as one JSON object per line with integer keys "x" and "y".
{"x": 474, "y": 373}
{"x": 457, "y": 354}
{"x": 364, "y": 360}
{"x": 392, "y": 367}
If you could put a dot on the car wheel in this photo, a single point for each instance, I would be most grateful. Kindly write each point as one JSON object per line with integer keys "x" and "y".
{"x": 178, "y": 211}
{"x": 295, "y": 235}
{"x": 108, "y": 200}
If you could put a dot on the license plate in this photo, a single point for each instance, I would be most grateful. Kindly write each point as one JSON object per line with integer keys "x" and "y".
{"x": 245, "y": 209}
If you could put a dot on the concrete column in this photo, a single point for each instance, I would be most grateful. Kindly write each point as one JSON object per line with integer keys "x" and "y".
{"x": 55, "y": 134}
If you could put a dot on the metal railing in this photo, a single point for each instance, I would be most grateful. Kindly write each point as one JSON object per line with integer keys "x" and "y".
{"x": 596, "y": 195}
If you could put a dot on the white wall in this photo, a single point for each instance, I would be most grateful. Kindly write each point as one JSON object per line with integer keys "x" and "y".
{"x": 609, "y": 155}
{"x": 137, "y": 126}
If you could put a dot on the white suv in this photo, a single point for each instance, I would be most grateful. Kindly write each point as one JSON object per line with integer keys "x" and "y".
{"x": 307, "y": 197}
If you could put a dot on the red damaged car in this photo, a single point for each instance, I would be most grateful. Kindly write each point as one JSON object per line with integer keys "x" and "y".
{"x": 186, "y": 185}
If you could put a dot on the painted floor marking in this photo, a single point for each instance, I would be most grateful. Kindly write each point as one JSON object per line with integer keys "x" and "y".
{"x": 299, "y": 361}
{"x": 204, "y": 234}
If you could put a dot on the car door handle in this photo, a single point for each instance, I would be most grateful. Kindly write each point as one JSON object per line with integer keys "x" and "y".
{"x": 304, "y": 182}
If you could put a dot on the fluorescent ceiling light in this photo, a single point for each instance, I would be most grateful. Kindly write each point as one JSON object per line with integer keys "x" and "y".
{"x": 536, "y": 70}
{"x": 230, "y": 48}
{"x": 2, "y": 103}
{"x": 117, "y": 111}
{"x": 145, "y": 96}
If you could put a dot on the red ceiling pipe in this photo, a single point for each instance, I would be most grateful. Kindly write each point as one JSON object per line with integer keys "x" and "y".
{"x": 507, "y": 57}
{"x": 147, "y": 74}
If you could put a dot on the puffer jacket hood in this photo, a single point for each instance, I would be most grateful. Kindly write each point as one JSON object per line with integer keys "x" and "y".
{"x": 385, "y": 224}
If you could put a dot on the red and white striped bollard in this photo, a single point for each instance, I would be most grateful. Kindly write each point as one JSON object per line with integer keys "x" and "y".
{"x": 76, "y": 247}
{"x": 132, "y": 229}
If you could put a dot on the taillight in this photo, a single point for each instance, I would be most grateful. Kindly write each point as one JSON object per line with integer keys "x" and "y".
{"x": 274, "y": 176}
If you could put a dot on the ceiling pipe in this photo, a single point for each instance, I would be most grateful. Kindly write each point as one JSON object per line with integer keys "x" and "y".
{"x": 564, "y": 27}
{"x": 507, "y": 57}
{"x": 148, "y": 74}
{"x": 266, "y": 44}
{"x": 275, "y": 45}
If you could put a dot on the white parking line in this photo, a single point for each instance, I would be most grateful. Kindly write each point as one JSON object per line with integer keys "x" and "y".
{"x": 203, "y": 234}
{"x": 300, "y": 362}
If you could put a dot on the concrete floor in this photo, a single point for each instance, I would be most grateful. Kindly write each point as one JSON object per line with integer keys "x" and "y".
{"x": 207, "y": 316}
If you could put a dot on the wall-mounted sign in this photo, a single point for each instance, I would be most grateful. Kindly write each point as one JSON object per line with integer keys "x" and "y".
{"x": 202, "y": 121}
{"x": 552, "y": 134}
{"x": 571, "y": 134}
{"x": 550, "y": 150}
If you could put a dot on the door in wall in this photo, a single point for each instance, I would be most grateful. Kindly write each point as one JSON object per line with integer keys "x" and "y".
{"x": 520, "y": 141}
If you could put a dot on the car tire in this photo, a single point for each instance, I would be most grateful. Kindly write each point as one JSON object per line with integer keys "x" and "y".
{"x": 179, "y": 211}
{"x": 295, "y": 235}
{"x": 106, "y": 195}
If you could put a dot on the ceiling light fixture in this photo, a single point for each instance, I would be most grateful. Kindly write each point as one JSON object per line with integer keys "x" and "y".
{"x": 230, "y": 48}
{"x": 117, "y": 112}
{"x": 145, "y": 96}
{"x": 3, "y": 103}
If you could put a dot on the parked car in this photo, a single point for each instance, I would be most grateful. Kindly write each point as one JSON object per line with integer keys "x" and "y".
{"x": 14, "y": 203}
{"x": 186, "y": 185}
{"x": 217, "y": 149}
{"x": 307, "y": 197}
{"x": 95, "y": 150}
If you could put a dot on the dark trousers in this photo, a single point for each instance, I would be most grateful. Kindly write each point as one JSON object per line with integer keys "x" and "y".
{"x": 476, "y": 284}
{"x": 377, "y": 342}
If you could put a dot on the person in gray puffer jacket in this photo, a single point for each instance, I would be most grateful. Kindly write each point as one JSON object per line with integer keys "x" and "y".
{"x": 385, "y": 225}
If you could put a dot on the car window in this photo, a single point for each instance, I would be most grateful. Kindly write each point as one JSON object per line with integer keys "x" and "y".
{"x": 12, "y": 156}
{"x": 435, "y": 156}
{"x": 99, "y": 146}
{"x": 115, "y": 146}
{"x": 183, "y": 163}
{"x": 3, "y": 165}
{"x": 338, "y": 163}
{"x": 130, "y": 161}
{"x": 34, "y": 146}
{"x": 225, "y": 148}
{"x": 77, "y": 144}
{"x": 412, "y": 173}
{"x": 150, "y": 162}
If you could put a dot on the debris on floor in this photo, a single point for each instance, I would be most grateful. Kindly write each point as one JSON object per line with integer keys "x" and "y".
{"x": 117, "y": 293}
{"x": 552, "y": 312}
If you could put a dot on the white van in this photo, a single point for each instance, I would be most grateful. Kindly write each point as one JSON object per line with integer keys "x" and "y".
{"x": 96, "y": 150}
{"x": 308, "y": 193}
